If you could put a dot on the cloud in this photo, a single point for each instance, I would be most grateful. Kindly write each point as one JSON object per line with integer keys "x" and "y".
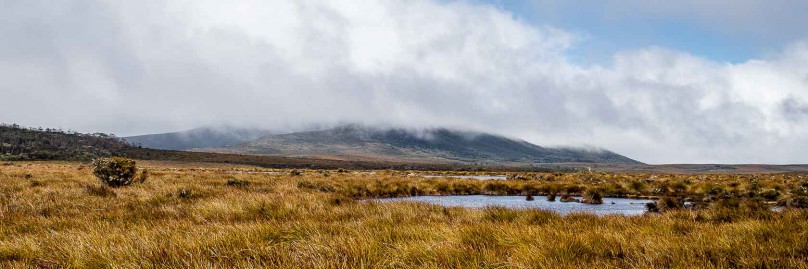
{"x": 151, "y": 66}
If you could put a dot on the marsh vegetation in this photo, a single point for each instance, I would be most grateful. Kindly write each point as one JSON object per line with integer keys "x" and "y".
{"x": 204, "y": 215}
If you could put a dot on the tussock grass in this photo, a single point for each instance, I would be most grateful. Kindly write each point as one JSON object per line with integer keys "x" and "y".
{"x": 188, "y": 215}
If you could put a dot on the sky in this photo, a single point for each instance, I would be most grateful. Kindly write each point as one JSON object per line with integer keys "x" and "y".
{"x": 691, "y": 81}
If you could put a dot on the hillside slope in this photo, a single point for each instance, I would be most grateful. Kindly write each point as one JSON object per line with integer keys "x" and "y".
{"x": 436, "y": 145}
{"x": 197, "y": 138}
{"x": 18, "y": 143}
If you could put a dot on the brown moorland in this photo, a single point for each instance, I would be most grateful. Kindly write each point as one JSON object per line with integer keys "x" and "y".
{"x": 56, "y": 214}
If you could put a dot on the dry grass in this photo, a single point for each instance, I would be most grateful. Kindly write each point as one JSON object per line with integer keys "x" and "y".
{"x": 188, "y": 215}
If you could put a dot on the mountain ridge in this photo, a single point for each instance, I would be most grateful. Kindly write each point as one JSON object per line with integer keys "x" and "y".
{"x": 437, "y": 144}
{"x": 203, "y": 137}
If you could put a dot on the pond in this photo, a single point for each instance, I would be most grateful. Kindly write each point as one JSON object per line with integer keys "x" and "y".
{"x": 467, "y": 176}
{"x": 610, "y": 206}
{"x": 256, "y": 172}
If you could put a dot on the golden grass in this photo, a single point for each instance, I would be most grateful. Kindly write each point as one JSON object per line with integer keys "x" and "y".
{"x": 187, "y": 215}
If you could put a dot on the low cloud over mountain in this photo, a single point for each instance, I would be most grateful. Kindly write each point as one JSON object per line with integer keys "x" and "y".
{"x": 134, "y": 67}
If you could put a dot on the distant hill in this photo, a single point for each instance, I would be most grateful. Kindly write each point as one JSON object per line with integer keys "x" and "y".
{"x": 435, "y": 145}
{"x": 21, "y": 144}
{"x": 197, "y": 138}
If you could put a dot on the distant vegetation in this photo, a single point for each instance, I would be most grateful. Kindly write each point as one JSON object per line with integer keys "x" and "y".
{"x": 18, "y": 143}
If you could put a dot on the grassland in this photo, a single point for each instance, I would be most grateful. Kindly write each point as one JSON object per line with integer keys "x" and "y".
{"x": 56, "y": 214}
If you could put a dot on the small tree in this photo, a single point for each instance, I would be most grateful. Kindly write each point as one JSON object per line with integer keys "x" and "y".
{"x": 115, "y": 171}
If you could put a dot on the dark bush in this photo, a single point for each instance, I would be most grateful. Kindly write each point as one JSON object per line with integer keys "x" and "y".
{"x": 770, "y": 194}
{"x": 652, "y": 207}
{"x": 442, "y": 188}
{"x": 115, "y": 171}
{"x": 669, "y": 203}
{"x": 592, "y": 197}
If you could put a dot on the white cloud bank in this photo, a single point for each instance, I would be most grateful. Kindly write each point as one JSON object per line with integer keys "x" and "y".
{"x": 133, "y": 67}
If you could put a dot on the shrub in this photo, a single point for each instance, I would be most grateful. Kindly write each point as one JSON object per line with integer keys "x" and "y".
{"x": 551, "y": 197}
{"x": 115, "y": 171}
{"x": 592, "y": 197}
{"x": 801, "y": 190}
{"x": 770, "y": 194}
{"x": 668, "y": 203}
{"x": 794, "y": 201}
{"x": 442, "y": 188}
{"x": 636, "y": 186}
{"x": 651, "y": 207}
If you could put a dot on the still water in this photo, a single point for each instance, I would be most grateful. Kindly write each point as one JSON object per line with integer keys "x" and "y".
{"x": 610, "y": 206}
{"x": 469, "y": 177}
